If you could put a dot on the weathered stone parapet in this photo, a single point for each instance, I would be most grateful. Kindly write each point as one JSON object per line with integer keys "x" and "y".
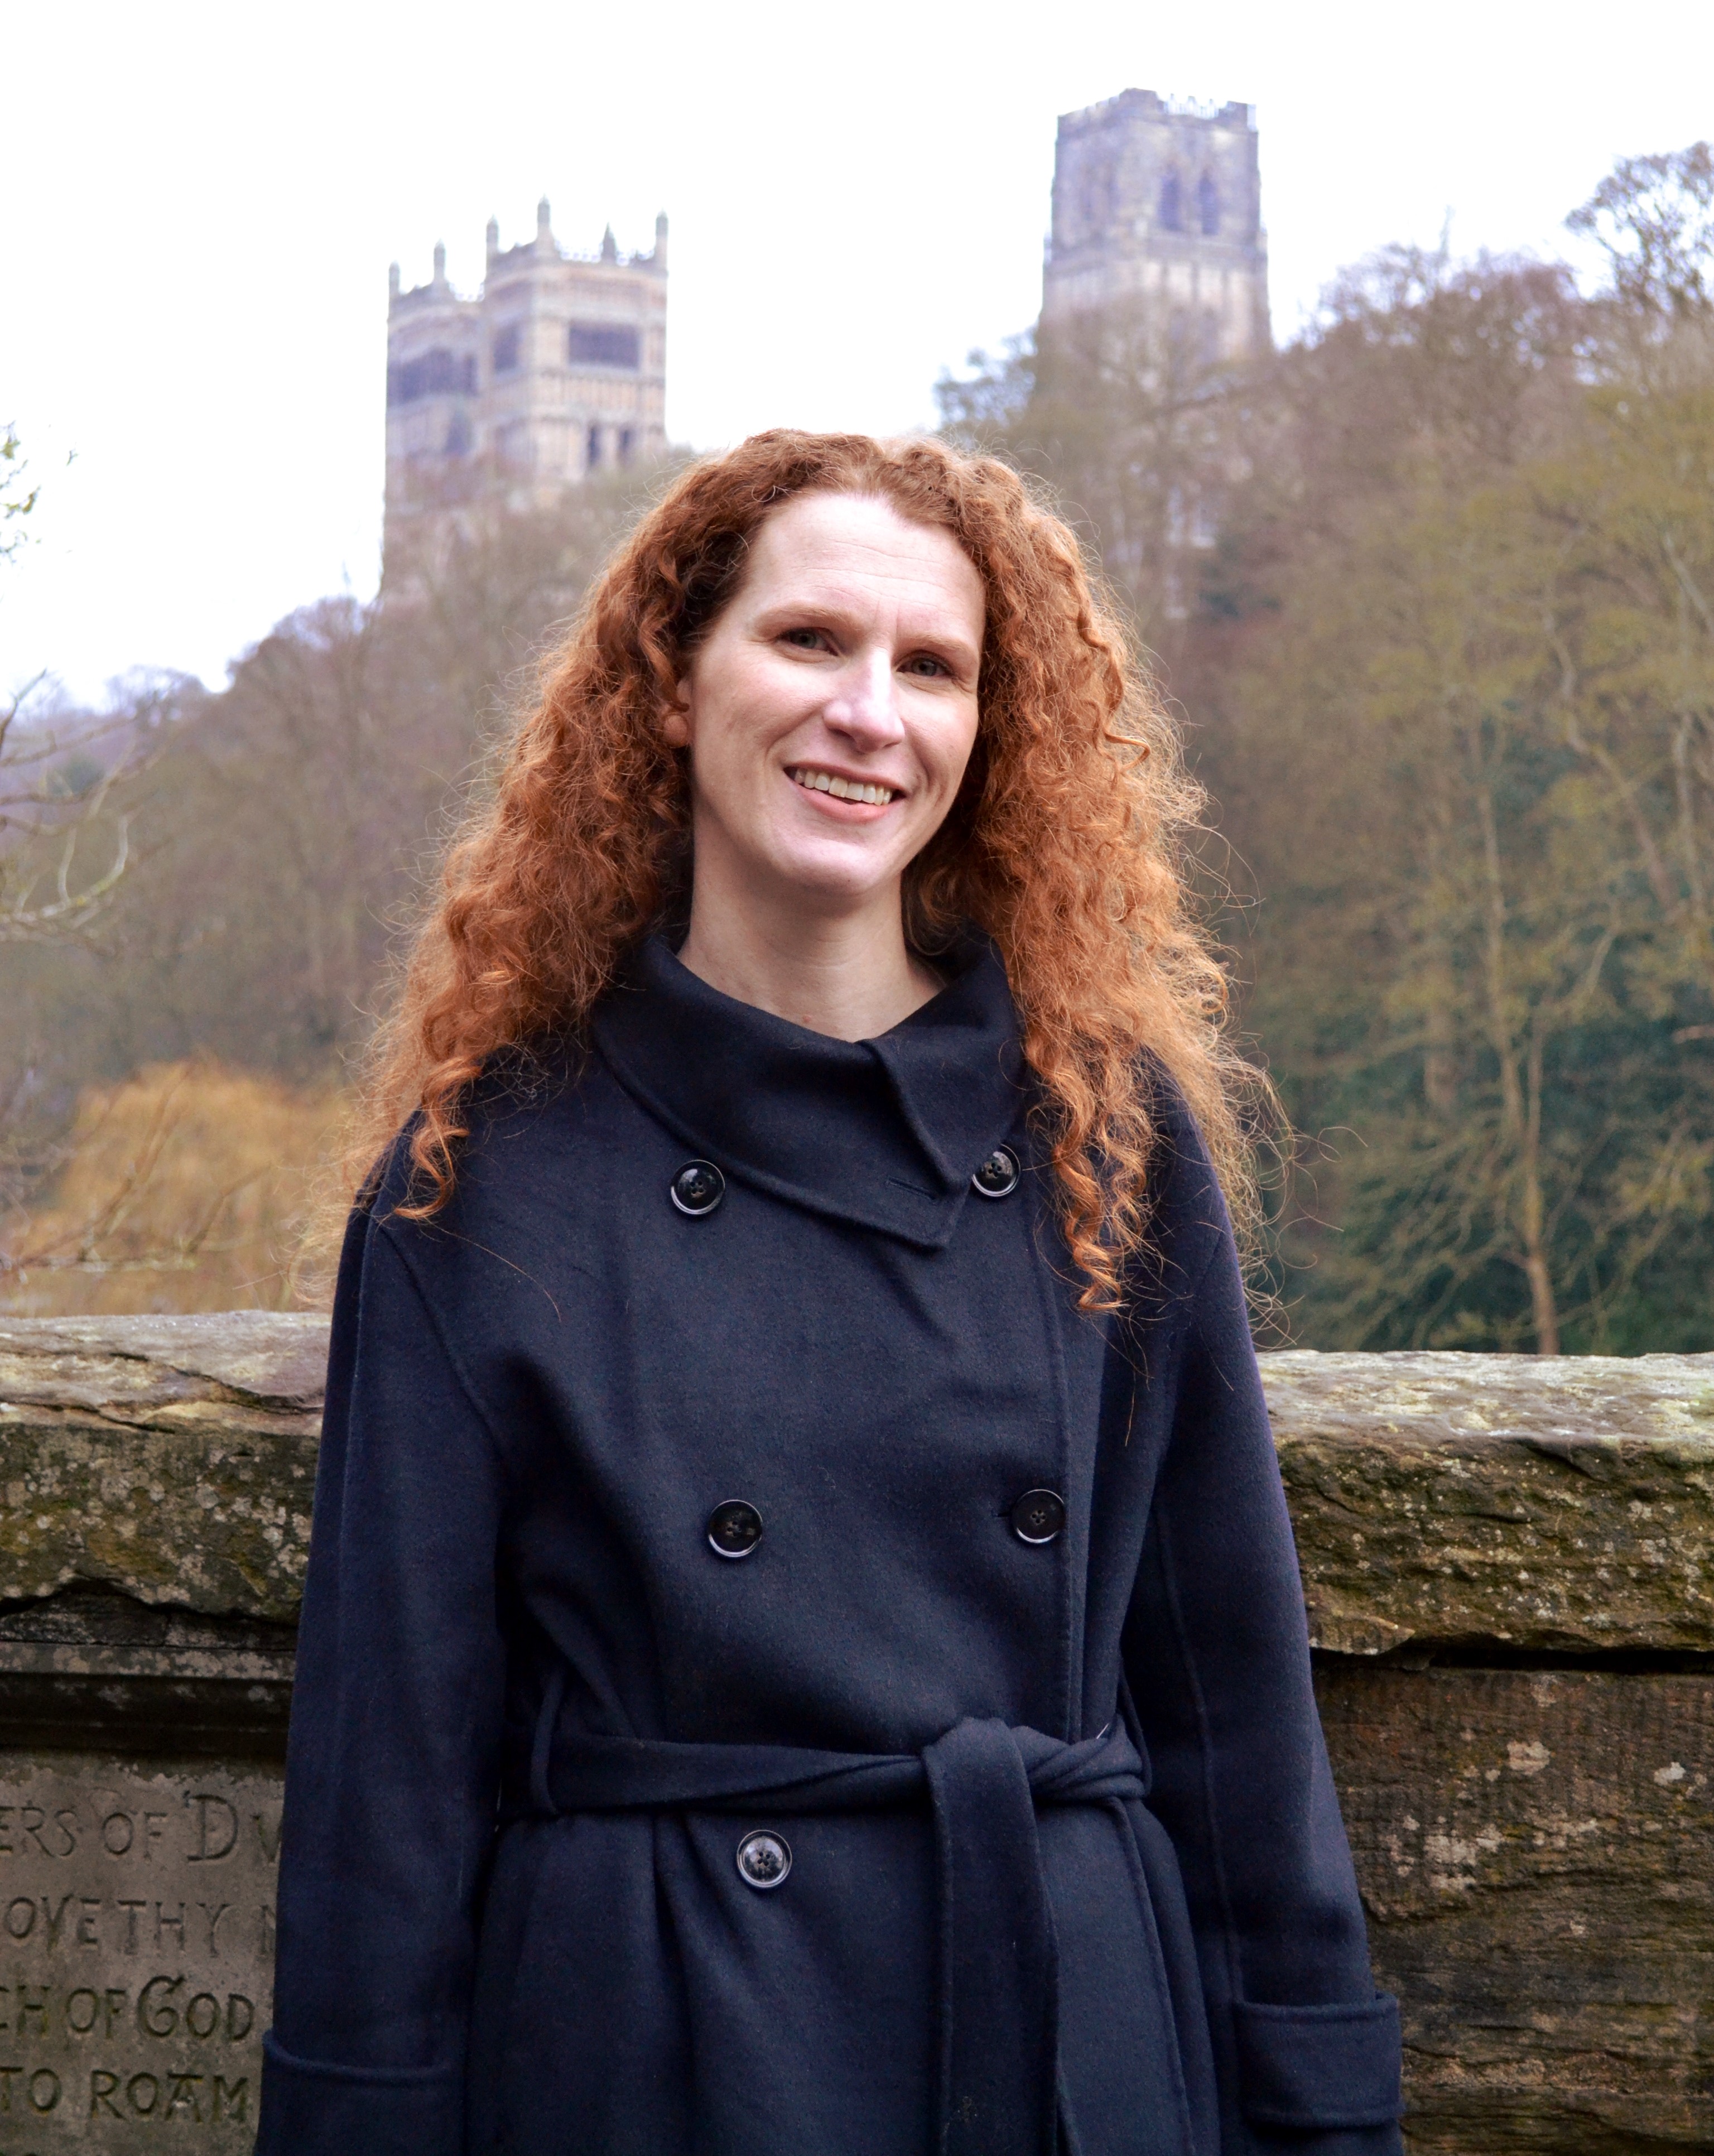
{"x": 1536, "y": 1853}
{"x": 155, "y": 1477}
{"x": 1505, "y": 1562}
{"x": 1554, "y": 1505}
{"x": 170, "y": 1458}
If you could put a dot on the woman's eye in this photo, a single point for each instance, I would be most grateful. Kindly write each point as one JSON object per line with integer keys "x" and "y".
{"x": 806, "y": 639}
{"x": 926, "y": 664}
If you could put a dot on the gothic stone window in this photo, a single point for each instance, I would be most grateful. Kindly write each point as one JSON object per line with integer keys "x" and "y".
{"x": 458, "y": 433}
{"x": 606, "y": 344}
{"x": 1172, "y": 203}
{"x": 506, "y": 350}
{"x": 592, "y": 451}
{"x": 437, "y": 373}
{"x": 1096, "y": 197}
{"x": 628, "y": 444}
{"x": 1208, "y": 203}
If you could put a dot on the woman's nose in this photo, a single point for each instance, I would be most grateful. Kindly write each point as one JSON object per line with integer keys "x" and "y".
{"x": 864, "y": 706}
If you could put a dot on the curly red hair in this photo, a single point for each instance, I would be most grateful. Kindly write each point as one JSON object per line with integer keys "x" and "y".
{"x": 1065, "y": 843}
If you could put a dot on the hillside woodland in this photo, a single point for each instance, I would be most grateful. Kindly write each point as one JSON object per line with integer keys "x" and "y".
{"x": 1431, "y": 591}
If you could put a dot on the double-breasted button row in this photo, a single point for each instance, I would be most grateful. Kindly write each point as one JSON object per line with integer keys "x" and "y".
{"x": 699, "y": 1185}
{"x": 735, "y": 1526}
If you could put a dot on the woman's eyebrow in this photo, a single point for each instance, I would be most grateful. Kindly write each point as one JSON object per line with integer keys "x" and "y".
{"x": 948, "y": 643}
{"x": 818, "y": 605}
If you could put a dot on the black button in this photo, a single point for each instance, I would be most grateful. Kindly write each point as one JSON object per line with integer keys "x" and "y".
{"x": 698, "y": 1187}
{"x": 734, "y": 1528}
{"x": 764, "y": 1859}
{"x": 1039, "y": 1517}
{"x": 998, "y": 1176}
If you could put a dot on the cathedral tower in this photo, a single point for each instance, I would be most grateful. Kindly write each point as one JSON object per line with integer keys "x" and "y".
{"x": 556, "y": 369}
{"x": 1158, "y": 205}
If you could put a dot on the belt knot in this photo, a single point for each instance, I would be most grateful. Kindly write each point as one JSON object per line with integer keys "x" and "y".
{"x": 985, "y": 1781}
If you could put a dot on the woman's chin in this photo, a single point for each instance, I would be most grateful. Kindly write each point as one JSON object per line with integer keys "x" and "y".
{"x": 838, "y": 877}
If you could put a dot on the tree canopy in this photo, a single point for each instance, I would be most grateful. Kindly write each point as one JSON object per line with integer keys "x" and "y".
{"x": 1434, "y": 589}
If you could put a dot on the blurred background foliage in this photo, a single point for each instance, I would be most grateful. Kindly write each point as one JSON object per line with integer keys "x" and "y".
{"x": 190, "y": 1186}
{"x": 1433, "y": 591}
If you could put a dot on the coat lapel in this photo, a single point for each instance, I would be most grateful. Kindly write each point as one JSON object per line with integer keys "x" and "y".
{"x": 884, "y": 1134}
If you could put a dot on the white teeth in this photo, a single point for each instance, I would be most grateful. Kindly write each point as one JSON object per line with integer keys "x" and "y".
{"x": 842, "y": 790}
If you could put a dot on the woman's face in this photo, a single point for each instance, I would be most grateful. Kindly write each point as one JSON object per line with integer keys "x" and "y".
{"x": 830, "y": 711}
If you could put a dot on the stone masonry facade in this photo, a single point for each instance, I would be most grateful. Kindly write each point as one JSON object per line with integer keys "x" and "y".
{"x": 1158, "y": 206}
{"x": 556, "y": 369}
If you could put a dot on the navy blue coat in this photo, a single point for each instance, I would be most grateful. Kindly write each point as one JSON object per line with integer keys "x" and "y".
{"x": 1066, "y": 1868}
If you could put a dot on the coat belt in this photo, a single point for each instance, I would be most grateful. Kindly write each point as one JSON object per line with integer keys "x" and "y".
{"x": 999, "y": 1962}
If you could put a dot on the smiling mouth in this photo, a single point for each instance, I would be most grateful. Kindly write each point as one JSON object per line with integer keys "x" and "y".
{"x": 842, "y": 789}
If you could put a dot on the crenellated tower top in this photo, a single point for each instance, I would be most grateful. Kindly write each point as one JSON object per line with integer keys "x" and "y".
{"x": 555, "y": 368}
{"x": 1157, "y": 204}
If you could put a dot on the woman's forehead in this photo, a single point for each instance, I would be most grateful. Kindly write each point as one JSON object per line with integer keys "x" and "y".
{"x": 859, "y": 542}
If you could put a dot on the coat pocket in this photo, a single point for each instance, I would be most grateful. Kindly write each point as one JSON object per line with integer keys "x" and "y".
{"x": 1319, "y": 2068}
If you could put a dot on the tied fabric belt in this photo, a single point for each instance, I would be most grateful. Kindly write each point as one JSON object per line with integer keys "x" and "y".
{"x": 1000, "y": 2038}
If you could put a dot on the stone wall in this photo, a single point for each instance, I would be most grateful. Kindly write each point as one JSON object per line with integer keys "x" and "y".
{"x": 155, "y": 1487}
{"x": 1505, "y": 1562}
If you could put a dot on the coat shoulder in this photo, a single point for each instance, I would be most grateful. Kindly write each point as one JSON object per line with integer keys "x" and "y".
{"x": 1185, "y": 1187}
{"x": 523, "y": 1110}
{"x": 1188, "y": 1225}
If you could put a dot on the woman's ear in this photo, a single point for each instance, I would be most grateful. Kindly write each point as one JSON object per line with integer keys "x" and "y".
{"x": 676, "y": 718}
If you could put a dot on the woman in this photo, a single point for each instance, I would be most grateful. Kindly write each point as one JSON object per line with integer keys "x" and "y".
{"x": 802, "y": 1651}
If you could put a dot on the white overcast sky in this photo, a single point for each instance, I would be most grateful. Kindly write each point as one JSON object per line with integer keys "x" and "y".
{"x": 199, "y": 204}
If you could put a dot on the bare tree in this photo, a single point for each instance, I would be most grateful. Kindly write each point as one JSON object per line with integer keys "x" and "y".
{"x": 1653, "y": 218}
{"x": 66, "y": 804}
{"x": 1137, "y": 433}
{"x": 65, "y": 821}
{"x": 64, "y": 840}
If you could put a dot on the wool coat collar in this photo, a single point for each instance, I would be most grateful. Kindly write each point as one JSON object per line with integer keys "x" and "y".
{"x": 884, "y": 1134}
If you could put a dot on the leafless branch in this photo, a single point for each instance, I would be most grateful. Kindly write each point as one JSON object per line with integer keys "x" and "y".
{"x": 1687, "y": 583}
{"x": 46, "y": 820}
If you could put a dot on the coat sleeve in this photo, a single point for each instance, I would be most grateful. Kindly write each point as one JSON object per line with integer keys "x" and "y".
{"x": 393, "y": 1760}
{"x": 1306, "y": 2055}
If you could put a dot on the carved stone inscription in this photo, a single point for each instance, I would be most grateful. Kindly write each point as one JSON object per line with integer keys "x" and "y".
{"x": 137, "y": 1952}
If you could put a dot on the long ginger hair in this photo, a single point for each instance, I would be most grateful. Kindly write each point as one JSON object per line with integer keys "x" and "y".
{"x": 1066, "y": 843}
